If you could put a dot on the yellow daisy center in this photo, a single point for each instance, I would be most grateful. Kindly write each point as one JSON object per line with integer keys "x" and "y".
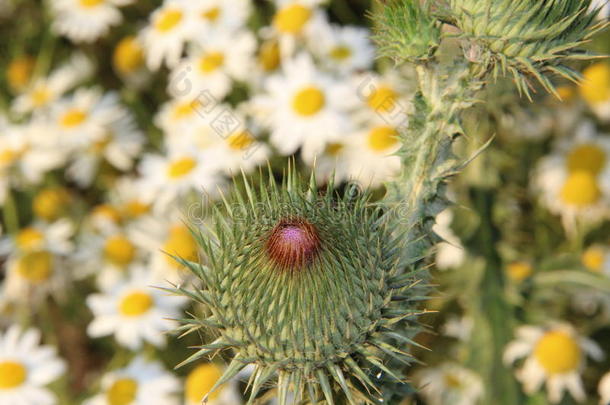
{"x": 98, "y": 146}
{"x": 29, "y": 238}
{"x": 566, "y": 93}
{"x": 200, "y": 381}
{"x": 240, "y": 140}
{"x": 50, "y": 203}
{"x": 181, "y": 167}
{"x": 128, "y": 56}
{"x": 8, "y": 157}
{"x": 168, "y": 20}
{"x": 211, "y": 62}
{"x": 19, "y": 72}
{"x": 122, "y": 392}
{"x": 135, "y": 209}
{"x": 586, "y": 157}
{"x": 452, "y": 381}
{"x": 340, "y": 52}
{"x": 580, "y": 189}
{"x": 519, "y": 271}
{"x": 73, "y": 118}
{"x": 595, "y": 87}
{"x": 308, "y": 101}
{"x": 593, "y": 258}
{"x": 12, "y": 374}
{"x": 334, "y": 148}
{"x": 291, "y": 19}
{"x": 382, "y": 138}
{"x": 40, "y": 96}
{"x": 557, "y": 352}
{"x": 119, "y": 250}
{"x": 382, "y": 99}
{"x": 211, "y": 14}
{"x": 180, "y": 243}
{"x": 108, "y": 212}
{"x": 183, "y": 110}
{"x": 90, "y": 3}
{"x": 269, "y": 56}
{"x": 35, "y": 266}
{"x": 135, "y": 304}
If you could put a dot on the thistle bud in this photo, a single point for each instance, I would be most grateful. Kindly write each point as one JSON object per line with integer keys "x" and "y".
{"x": 405, "y": 30}
{"x": 310, "y": 288}
{"x": 525, "y": 37}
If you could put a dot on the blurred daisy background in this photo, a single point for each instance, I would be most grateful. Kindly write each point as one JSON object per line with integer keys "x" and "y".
{"x": 122, "y": 119}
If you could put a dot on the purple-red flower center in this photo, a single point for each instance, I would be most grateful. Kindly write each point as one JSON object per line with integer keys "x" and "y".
{"x": 293, "y": 243}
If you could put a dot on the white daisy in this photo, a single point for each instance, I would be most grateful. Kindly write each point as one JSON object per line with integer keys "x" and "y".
{"x": 555, "y": 355}
{"x": 165, "y": 179}
{"x": 343, "y": 48}
{"x": 459, "y": 327}
{"x": 222, "y": 15}
{"x": 19, "y": 72}
{"x": 200, "y": 381}
{"x": 450, "y": 253}
{"x": 54, "y": 237}
{"x": 128, "y": 62}
{"x": 111, "y": 254}
{"x": 213, "y": 63}
{"x": 43, "y": 92}
{"x": 37, "y": 154}
{"x": 134, "y": 312}
{"x": 169, "y": 28}
{"x": 228, "y": 141}
{"x": 596, "y": 258}
{"x": 86, "y": 20}
{"x": 294, "y": 20}
{"x": 370, "y": 152}
{"x": 167, "y": 237}
{"x": 450, "y": 383}
{"x": 574, "y": 182}
{"x": 26, "y": 367}
{"x": 142, "y": 382}
{"x": 36, "y": 261}
{"x": 126, "y": 197}
{"x": 51, "y": 203}
{"x": 267, "y": 61}
{"x": 182, "y": 118}
{"x": 595, "y": 88}
{"x": 119, "y": 146}
{"x": 588, "y": 301}
{"x": 85, "y": 119}
{"x": 604, "y": 389}
{"x": 388, "y": 96}
{"x": 304, "y": 108}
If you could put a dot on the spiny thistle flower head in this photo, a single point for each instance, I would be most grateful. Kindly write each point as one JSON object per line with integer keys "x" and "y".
{"x": 405, "y": 30}
{"x": 525, "y": 37}
{"x": 308, "y": 287}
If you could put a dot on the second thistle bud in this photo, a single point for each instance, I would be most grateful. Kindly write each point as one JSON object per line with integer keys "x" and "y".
{"x": 406, "y": 31}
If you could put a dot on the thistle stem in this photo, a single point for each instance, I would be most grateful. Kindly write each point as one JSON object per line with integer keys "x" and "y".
{"x": 9, "y": 213}
{"x": 499, "y": 317}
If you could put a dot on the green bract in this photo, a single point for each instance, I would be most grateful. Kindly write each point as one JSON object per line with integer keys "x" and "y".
{"x": 307, "y": 286}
